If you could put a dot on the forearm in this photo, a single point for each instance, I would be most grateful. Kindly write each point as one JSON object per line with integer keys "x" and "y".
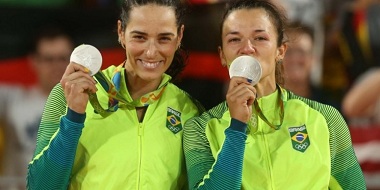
{"x": 226, "y": 171}
{"x": 51, "y": 168}
{"x": 360, "y": 99}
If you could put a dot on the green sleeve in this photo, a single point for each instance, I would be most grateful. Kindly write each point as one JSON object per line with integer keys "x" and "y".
{"x": 345, "y": 168}
{"x": 205, "y": 172}
{"x": 55, "y": 107}
{"x": 58, "y": 137}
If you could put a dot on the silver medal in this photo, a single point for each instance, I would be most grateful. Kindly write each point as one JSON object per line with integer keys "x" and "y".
{"x": 87, "y": 56}
{"x": 247, "y": 67}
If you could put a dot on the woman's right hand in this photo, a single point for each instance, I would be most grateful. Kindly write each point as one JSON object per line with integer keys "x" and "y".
{"x": 240, "y": 97}
{"x": 77, "y": 83}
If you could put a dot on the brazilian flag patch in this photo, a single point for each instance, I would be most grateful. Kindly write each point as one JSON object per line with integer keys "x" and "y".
{"x": 299, "y": 137}
{"x": 173, "y": 120}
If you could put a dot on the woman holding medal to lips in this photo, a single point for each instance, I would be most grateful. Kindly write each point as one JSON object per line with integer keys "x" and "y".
{"x": 264, "y": 136}
{"x": 130, "y": 136}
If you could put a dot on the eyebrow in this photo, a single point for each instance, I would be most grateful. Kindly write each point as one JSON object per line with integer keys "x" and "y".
{"x": 236, "y": 32}
{"x": 160, "y": 34}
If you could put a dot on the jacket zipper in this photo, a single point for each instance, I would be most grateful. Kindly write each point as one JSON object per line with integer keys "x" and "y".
{"x": 268, "y": 160}
{"x": 140, "y": 134}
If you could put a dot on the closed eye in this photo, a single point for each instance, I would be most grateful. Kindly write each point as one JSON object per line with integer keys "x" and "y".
{"x": 260, "y": 38}
{"x": 233, "y": 40}
{"x": 138, "y": 37}
{"x": 165, "y": 39}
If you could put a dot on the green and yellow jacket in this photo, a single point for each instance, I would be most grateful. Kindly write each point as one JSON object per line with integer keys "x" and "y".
{"x": 311, "y": 149}
{"x": 89, "y": 151}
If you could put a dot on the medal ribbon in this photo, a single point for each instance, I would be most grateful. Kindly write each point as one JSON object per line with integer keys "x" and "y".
{"x": 115, "y": 98}
{"x": 280, "y": 103}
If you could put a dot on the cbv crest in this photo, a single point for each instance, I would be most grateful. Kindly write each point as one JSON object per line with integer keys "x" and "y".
{"x": 299, "y": 137}
{"x": 173, "y": 121}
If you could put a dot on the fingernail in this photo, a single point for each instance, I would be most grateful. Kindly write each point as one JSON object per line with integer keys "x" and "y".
{"x": 249, "y": 80}
{"x": 86, "y": 70}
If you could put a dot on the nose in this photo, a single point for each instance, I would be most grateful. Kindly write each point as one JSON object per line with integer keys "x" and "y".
{"x": 152, "y": 49}
{"x": 248, "y": 48}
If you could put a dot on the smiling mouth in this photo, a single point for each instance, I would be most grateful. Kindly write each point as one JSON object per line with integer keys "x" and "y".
{"x": 150, "y": 65}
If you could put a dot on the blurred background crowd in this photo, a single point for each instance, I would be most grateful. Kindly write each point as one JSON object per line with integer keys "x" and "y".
{"x": 333, "y": 57}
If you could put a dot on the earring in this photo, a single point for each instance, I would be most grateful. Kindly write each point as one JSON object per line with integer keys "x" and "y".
{"x": 179, "y": 46}
{"x": 279, "y": 61}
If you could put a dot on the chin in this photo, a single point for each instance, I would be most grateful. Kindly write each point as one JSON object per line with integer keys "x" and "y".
{"x": 151, "y": 77}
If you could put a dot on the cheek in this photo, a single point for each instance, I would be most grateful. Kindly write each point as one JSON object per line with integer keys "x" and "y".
{"x": 268, "y": 66}
{"x": 168, "y": 49}
{"x": 229, "y": 57}
{"x": 133, "y": 49}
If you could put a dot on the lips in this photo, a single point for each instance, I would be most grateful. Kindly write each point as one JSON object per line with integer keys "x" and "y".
{"x": 150, "y": 65}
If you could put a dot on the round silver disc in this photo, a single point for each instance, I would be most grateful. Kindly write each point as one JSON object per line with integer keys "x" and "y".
{"x": 247, "y": 67}
{"x": 87, "y": 56}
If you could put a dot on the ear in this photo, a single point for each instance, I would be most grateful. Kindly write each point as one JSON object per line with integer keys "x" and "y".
{"x": 222, "y": 57}
{"x": 180, "y": 35}
{"x": 281, "y": 51}
{"x": 120, "y": 31}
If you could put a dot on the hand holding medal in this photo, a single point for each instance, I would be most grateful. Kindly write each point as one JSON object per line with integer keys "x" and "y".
{"x": 245, "y": 72}
{"x": 77, "y": 82}
{"x": 247, "y": 67}
{"x": 90, "y": 57}
{"x": 87, "y": 56}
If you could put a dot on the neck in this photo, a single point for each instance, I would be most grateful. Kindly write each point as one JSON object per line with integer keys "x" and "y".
{"x": 138, "y": 87}
{"x": 265, "y": 88}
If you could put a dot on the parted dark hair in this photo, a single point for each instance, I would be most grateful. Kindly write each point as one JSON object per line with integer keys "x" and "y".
{"x": 278, "y": 18}
{"x": 179, "y": 7}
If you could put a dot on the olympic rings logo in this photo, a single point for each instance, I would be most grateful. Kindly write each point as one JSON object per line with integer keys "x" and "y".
{"x": 301, "y": 146}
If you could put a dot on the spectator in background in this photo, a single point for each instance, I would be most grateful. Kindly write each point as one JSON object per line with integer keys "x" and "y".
{"x": 310, "y": 13}
{"x": 50, "y": 56}
{"x": 298, "y": 63}
{"x": 21, "y": 106}
{"x": 298, "y": 60}
{"x": 361, "y": 105}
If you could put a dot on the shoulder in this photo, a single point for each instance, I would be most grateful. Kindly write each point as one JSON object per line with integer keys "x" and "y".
{"x": 329, "y": 112}
{"x": 215, "y": 113}
{"x": 321, "y": 107}
{"x": 173, "y": 91}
